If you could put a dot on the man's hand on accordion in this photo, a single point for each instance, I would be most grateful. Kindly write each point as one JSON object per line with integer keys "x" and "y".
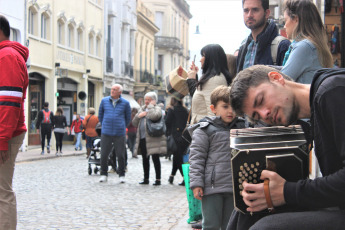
{"x": 254, "y": 195}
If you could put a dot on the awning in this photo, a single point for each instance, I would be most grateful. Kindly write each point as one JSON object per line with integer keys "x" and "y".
{"x": 133, "y": 103}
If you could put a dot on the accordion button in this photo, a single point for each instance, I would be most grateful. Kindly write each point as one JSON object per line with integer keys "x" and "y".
{"x": 245, "y": 165}
{"x": 250, "y": 172}
{"x": 252, "y": 166}
{"x": 255, "y": 181}
{"x": 257, "y": 163}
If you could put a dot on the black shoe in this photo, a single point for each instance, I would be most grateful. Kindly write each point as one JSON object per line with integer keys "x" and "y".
{"x": 182, "y": 183}
{"x": 171, "y": 179}
{"x": 197, "y": 226}
{"x": 145, "y": 181}
{"x": 157, "y": 182}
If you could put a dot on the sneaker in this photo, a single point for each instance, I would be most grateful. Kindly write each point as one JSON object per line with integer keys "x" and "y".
{"x": 42, "y": 153}
{"x": 48, "y": 150}
{"x": 76, "y": 149}
{"x": 57, "y": 154}
{"x": 122, "y": 179}
{"x": 103, "y": 179}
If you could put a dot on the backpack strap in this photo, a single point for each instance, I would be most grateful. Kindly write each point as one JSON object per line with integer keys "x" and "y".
{"x": 274, "y": 47}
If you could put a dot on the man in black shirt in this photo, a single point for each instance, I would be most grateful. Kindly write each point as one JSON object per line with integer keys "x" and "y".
{"x": 265, "y": 94}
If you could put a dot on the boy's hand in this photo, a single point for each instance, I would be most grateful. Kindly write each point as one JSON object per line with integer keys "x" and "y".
{"x": 198, "y": 193}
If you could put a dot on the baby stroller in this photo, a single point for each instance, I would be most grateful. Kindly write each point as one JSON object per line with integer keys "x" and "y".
{"x": 95, "y": 155}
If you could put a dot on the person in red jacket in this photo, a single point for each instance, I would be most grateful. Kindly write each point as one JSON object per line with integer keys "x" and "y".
{"x": 77, "y": 130}
{"x": 13, "y": 84}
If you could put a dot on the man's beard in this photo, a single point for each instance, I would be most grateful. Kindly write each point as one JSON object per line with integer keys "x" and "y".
{"x": 293, "y": 115}
{"x": 258, "y": 24}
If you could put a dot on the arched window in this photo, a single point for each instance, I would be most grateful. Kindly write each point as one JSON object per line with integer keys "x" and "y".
{"x": 80, "y": 32}
{"x": 32, "y": 20}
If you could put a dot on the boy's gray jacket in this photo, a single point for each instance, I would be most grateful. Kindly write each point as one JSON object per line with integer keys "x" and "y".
{"x": 210, "y": 155}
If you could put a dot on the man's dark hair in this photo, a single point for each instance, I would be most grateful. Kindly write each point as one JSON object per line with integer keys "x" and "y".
{"x": 5, "y": 26}
{"x": 247, "y": 78}
{"x": 46, "y": 104}
{"x": 265, "y": 4}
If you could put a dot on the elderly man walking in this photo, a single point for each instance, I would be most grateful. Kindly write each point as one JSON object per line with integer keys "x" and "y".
{"x": 115, "y": 116}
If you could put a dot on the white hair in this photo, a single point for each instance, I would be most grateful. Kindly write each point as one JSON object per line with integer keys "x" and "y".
{"x": 118, "y": 85}
{"x": 152, "y": 95}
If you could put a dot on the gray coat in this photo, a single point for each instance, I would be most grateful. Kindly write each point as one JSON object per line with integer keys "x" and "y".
{"x": 154, "y": 145}
{"x": 210, "y": 155}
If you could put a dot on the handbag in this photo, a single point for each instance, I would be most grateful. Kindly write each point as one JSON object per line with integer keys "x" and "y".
{"x": 185, "y": 134}
{"x": 171, "y": 145}
{"x": 156, "y": 128}
{"x": 176, "y": 83}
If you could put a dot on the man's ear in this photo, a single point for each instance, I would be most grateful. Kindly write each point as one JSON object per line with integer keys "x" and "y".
{"x": 276, "y": 77}
{"x": 213, "y": 109}
{"x": 267, "y": 13}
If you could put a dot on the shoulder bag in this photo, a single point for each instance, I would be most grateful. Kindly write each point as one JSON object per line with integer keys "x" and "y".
{"x": 156, "y": 128}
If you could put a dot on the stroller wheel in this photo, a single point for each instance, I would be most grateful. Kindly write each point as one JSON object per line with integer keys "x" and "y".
{"x": 90, "y": 170}
{"x": 95, "y": 170}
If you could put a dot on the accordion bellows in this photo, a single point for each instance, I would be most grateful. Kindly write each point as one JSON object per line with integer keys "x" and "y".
{"x": 176, "y": 83}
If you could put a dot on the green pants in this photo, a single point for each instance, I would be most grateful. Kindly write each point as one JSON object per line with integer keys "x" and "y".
{"x": 216, "y": 210}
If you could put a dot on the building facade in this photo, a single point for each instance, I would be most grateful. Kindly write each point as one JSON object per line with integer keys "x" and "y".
{"x": 66, "y": 57}
{"x": 120, "y": 25}
{"x": 144, "y": 66}
{"x": 171, "y": 41}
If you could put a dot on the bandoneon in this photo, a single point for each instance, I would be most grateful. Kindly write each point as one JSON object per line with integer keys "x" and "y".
{"x": 280, "y": 149}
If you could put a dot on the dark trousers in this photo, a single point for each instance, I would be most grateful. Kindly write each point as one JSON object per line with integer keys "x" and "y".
{"x": 107, "y": 143}
{"x": 131, "y": 141}
{"x": 58, "y": 140}
{"x": 146, "y": 161}
{"x": 177, "y": 164}
{"x": 309, "y": 220}
{"x": 46, "y": 131}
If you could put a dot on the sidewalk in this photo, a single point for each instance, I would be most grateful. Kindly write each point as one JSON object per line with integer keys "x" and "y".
{"x": 35, "y": 154}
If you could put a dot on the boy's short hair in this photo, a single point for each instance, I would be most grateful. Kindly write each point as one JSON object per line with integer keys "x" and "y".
{"x": 221, "y": 93}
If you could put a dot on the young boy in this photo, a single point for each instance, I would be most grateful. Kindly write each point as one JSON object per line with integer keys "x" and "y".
{"x": 210, "y": 167}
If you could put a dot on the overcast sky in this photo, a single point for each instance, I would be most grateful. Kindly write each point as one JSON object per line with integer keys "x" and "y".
{"x": 220, "y": 22}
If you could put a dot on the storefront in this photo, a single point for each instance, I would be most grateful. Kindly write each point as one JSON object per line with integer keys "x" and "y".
{"x": 35, "y": 99}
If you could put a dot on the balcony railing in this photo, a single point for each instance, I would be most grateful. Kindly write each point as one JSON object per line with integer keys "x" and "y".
{"x": 126, "y": 69}
{"x": 167, "y": 42}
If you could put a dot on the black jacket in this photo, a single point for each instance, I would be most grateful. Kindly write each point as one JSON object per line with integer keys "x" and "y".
{"x": 60, "y": 122}
{"x": 176, "y": 120}
{"x": 263, "y": 53}
{"x": 327, "y": 109}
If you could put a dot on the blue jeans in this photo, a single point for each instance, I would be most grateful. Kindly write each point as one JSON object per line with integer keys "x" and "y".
{"x": 78, "y": 142}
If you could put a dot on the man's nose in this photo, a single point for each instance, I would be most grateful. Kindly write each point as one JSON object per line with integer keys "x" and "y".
{"x": 264, "y": 113}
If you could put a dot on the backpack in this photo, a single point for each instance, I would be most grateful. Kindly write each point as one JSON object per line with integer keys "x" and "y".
{"x": 274, "y": 47}
{"x": 46, "y": 117}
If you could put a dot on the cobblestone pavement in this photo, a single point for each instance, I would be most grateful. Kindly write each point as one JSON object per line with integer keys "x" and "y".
{"x": 59, "y": 194}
